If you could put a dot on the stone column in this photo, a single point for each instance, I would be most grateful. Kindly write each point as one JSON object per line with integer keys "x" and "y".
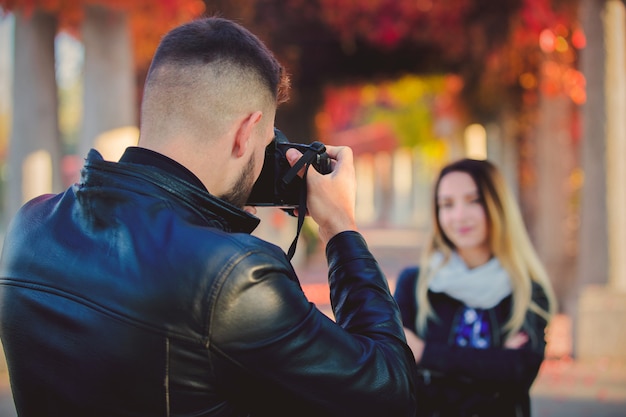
{"x": 601, "y": 315}
{"x": 403, "y": 186}
{"x": 365, "y": 189}
{"x": 555, "y": 161}
{"x": 34, "y": 147}
{"x": 109, "y": 85}
{"x": 593, "y": 237}
{"x": 615, "y": 37}
{"x": 502, "y": 149}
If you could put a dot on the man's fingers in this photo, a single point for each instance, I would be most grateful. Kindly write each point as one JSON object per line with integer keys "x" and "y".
{"x": 339, "y": 153}
{"x": 293, "y": 156}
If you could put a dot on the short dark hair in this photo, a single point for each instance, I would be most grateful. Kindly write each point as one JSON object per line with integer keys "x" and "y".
{"x": 206, "y": 40}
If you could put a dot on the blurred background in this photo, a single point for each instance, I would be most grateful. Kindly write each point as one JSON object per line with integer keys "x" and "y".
{"x": 536, "y": 86}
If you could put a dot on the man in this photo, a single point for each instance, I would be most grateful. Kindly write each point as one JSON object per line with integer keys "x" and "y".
{"x": 140, "y": 291}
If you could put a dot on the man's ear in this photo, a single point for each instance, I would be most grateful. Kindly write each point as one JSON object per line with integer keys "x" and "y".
{"x": 244, "y": 133}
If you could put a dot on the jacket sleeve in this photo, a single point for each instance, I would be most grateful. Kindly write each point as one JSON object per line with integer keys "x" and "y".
{"x": 299, "y": 362}
{"x": 496, "y": 365}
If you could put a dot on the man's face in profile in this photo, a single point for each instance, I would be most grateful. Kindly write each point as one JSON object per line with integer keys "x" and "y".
{"x": 240, "y": 192}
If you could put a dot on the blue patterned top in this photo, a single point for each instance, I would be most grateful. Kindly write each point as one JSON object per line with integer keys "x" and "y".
{"x": 473, "y": 329}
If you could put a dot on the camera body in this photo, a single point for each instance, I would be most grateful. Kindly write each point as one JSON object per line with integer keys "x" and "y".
{"x": 278, "y": 184}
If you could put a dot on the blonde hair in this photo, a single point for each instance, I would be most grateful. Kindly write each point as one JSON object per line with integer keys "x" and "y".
{"x": 508, "y": 241}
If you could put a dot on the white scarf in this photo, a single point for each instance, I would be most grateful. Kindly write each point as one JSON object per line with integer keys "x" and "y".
{"x": 481, "y": 287}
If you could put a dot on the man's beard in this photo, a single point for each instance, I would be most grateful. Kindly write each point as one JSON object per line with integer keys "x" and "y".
{"x": 238, "y": 195}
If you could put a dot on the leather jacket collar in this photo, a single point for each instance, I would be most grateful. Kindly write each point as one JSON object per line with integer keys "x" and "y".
{"x": 98, "y": 172}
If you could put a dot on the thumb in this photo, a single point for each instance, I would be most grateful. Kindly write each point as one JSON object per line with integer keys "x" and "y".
{"x": 293, "y": 155}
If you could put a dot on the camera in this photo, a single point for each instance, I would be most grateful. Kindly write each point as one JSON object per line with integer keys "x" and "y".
{"x": 278, "y": 184}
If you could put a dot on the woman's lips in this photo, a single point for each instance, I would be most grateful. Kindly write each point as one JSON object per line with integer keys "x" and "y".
{"x": 464, "y": 230}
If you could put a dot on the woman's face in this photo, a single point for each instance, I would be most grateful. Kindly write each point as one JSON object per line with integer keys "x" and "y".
{"x": 462, "y": 217}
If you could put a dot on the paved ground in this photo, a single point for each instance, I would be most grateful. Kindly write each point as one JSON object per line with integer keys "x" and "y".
{"x": 564, "y": 387}
{"x": 573, "y": 389}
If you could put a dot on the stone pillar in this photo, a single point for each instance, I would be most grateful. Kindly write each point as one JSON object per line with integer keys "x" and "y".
{"x": 601, "y": 315}
{"x": 383, "y": 188}
{"x": 109, "y": 84}
{"x": 593, "y": 236}
{"x": 365, "y": 189}
{"x": 402, "y": 178}
{"x": 615, "y": 37}
{"x": 555, "y": 161}
{"x": 502, "y": 149}
{"x": 34, "y": 146}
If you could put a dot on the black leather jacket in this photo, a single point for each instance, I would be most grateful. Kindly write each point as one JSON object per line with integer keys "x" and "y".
{"x": 462, "y": 381}
{"x": 138, "y": 293}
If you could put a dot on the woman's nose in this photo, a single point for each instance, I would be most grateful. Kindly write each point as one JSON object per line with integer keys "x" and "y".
{"x": 459, "y": 212}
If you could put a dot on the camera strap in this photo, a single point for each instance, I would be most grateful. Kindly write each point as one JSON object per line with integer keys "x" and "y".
{"x": 306, "y": 160}
{"x": 301, "y": 215}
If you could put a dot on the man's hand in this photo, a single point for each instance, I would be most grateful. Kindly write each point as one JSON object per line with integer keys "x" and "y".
{"x": 331, "y": 198}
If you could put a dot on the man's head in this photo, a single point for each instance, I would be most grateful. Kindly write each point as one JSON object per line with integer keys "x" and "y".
{"x": 210, "y": 101}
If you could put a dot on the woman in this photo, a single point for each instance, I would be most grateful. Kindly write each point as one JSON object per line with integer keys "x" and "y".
{"x": 476, "y": 310}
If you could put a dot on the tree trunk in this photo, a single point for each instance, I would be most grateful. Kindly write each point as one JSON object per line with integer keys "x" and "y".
{"x": 34, "y": 148}
{"x": 109, "y": 88}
